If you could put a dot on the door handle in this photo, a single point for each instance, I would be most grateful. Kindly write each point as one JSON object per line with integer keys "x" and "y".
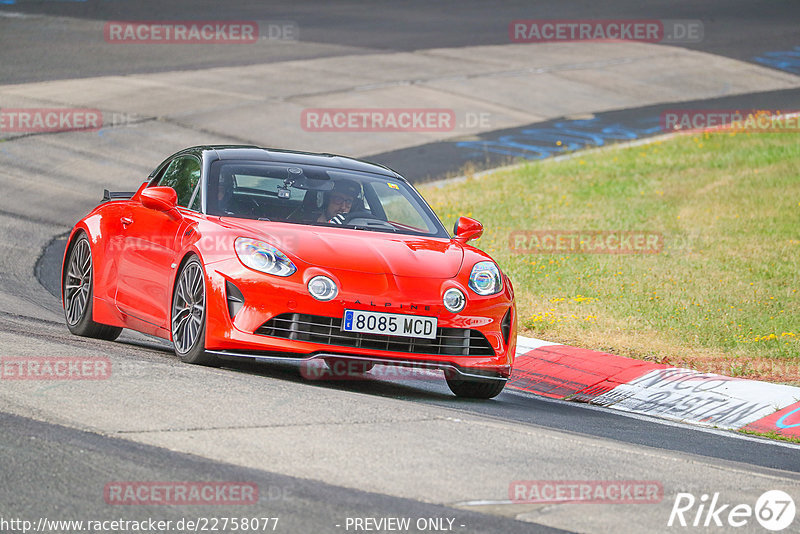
{"x": 126, "y": 221}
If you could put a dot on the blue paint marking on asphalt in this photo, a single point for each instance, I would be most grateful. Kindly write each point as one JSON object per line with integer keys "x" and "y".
{"x": 788, "y": 60}
{"x": 780, "y": 423}
{"x": 563, "y": 136}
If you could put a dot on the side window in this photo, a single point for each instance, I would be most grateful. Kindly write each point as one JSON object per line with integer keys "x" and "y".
{"x": 183, "y": 175}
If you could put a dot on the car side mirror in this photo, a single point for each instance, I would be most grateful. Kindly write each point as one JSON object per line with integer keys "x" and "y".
{"x": 159, "y": 198}
{"x": 467, "y": 229}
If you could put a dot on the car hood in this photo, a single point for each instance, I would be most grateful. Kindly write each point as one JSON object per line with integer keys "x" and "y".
{"x": 358, "y": 250}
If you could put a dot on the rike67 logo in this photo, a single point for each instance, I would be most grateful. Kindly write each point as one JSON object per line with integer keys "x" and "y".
{"x": 774, "y": 510}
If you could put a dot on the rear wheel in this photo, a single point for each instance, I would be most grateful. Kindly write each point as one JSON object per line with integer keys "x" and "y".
{"x": 79, "y": 292}
{"x": 475, "y": 388}
{"x": 189, "y": 315}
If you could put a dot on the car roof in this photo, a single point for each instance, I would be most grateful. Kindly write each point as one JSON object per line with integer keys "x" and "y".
{"x": 256, "y": 153}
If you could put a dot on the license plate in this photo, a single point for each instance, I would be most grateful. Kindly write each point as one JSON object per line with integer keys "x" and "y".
{"x": 389, "y": 324}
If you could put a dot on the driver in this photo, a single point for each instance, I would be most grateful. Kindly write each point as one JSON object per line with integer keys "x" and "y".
{"x": 339, "y": 201}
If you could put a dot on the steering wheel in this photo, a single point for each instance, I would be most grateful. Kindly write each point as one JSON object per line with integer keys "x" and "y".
{"x": 366, "y": 218}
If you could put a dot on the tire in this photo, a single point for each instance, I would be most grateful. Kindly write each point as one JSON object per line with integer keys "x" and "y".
{"x": 475, "y": 389}
{"x": 188, "y": 315}
{"x": 78, "y": 292}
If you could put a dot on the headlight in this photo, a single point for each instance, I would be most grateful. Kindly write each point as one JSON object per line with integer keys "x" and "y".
{"x": 454, "y": 300}
{"x": 322, "y": 288}
{"x": 263, "y": 257}
{"x": 485, "y": 278}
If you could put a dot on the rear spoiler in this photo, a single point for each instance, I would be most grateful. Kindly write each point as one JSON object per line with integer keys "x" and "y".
{"x": 116, "y": 195}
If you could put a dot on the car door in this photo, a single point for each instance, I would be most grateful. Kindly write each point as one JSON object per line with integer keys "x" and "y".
{"x": 151, "y": 243}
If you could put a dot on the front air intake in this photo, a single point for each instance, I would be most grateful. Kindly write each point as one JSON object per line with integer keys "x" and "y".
{"x": 328, "y": 331}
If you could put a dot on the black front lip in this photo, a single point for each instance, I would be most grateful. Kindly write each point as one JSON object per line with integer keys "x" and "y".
{"x": 466, "y": 374}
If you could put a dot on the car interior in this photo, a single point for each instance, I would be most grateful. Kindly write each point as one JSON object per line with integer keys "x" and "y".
{"x": 280, "y": 195}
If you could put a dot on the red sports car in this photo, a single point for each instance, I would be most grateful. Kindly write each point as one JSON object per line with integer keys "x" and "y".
{"x": 246, "y": 252}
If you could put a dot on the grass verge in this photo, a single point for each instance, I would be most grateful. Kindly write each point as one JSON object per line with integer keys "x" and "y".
{"x": 720, "y": 296}
{"x": 772, "y": 435}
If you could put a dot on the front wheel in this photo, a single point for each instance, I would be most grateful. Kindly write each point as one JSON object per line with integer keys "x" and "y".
{"x": 475, "y": 388}
{"x": 79, "y": 292}
{"x": 189, "y": 315}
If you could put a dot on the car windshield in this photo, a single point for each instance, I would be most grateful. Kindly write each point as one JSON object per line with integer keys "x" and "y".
{"x": 314, "y": 195}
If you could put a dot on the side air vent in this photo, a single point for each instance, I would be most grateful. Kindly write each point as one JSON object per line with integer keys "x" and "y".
{"x": 505, "y": 326}
{"x": 235, "y": 299}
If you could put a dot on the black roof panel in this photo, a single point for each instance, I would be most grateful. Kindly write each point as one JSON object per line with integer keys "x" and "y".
{"x": 254, "y": 153}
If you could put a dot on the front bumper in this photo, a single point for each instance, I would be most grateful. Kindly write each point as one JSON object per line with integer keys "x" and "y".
{"x": 450, "y": 370}
{"x": 280, "y": 321}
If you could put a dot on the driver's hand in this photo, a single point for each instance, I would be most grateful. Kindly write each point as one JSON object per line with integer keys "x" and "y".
{"x": 338, "y": 219}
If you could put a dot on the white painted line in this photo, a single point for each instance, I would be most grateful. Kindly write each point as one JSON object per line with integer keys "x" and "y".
{"x": 15, "y": 15}
{"x": 527, "y": 344}
{"x": 485, "y": 503}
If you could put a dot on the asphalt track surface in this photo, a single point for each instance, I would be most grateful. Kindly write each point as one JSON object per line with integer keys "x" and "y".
{"x": 82, "y": 461}
{"x": 539, "y": 140}
{"x": 739, "y": 29}
{"x": 55, "y": 469}
{"x": 522, "y": 407}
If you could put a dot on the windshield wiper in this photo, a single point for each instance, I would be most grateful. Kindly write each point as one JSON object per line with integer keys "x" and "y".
{"x": 372, "y": 228}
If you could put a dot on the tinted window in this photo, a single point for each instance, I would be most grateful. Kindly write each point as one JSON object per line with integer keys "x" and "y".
{"x": 182, "y": 175}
